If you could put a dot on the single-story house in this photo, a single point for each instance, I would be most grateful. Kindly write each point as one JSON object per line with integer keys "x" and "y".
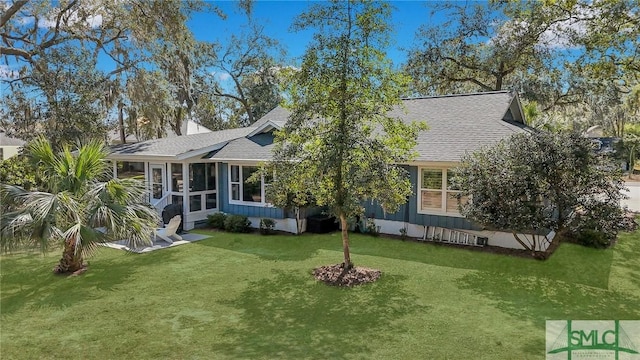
{"x": 9, "y": 146}
{"x": 207, "y": 173}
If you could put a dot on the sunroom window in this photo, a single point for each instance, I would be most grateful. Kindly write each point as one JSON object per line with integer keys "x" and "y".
{"x": 129, "y": 169}
{"x": 203, "y": 194}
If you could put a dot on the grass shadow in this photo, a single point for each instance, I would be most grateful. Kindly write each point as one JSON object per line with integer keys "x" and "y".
{"x": 539, "y": 299}
{"x": 271, "y": 247}
{"x": 570, "y": 262}
{"x": 627, "y": 258}
{"x": 293, "y": 316}
{"x": 27, "y": 279}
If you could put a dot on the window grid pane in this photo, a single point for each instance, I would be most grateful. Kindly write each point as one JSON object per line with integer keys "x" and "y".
{"x": 235, "y": 173}
{"x": 211, "y": 176}
{"x": 235, "y": 192}
{"x": 195, "y": 203}
{"x": 431, "y": 179}
{"x": 452, "y": 201}
{"x": 431, "y": 200}
{"x": 251, "y": 191}
{"x": 176, "y": 178}
{"x": 211, "y": 201}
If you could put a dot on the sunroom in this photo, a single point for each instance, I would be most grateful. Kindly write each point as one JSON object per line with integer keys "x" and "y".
{"x": 177, "y": 171}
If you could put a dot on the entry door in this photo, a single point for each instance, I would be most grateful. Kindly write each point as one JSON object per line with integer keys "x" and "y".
{"x": 158, "y": 174}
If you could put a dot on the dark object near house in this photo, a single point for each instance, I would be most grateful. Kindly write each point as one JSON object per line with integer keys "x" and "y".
{"x": 482, "y": 241}
{"x": 321, "y": 224}
{"x": 169, "y": 212}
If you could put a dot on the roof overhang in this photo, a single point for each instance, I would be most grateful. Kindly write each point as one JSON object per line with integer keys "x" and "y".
{"x": 165, "y": 157}
{"x": 264, "y": 128}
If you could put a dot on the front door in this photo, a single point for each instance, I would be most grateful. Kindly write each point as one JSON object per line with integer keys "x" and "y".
{"x": 158, "y": 188}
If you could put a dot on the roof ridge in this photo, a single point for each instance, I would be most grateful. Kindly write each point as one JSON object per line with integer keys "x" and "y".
{"x": 458, "y": 95}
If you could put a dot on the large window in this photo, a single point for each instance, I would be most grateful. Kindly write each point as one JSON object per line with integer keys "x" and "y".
{"x": 203, "y": 193}
{"x": 243, "y": 191}
{"x": 436, "y": 194}
{"x": 129, "y": 169}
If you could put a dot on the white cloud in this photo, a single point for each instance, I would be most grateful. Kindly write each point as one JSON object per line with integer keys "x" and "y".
{"x": 222, "y": 76}
{"x": 92, "y": 21}
{"x": 557, "y": 36}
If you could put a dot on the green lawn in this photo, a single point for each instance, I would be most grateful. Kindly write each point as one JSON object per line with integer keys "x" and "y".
{"x": 250, "y": 296}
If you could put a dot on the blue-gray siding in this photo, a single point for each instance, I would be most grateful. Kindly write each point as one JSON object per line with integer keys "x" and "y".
{"x": 252, "y": 211}
{"x": 409, "y": 211}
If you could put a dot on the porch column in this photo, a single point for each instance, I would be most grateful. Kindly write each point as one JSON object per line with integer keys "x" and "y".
{"x": 185, "y": 193}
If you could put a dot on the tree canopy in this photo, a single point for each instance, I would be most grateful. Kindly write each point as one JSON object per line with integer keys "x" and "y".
{"x": 48, "y": 44}
{"x": 339, "y": 145}
{"x": 80, "y": 205}
{"x": 553, "y": 52}
{"x": 541, "y": 180}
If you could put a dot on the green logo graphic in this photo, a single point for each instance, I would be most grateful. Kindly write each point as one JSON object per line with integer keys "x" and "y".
{"x": 591, "y": 339}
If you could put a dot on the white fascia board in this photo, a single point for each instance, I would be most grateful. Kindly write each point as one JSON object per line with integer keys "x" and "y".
{"x": 242, "y": 161}
{"x": 201, "y": 151}
{"x": 124, "y": 157}
{"x": 435, "y": 164}
{"x": 268, "y": 125}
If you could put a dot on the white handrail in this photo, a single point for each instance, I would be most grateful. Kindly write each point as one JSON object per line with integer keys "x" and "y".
{"x": 159, "y": 204}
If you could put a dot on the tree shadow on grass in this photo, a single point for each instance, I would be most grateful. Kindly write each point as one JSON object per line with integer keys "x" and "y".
{"x": 282, "y": 248}
{"x": 627, "y": 256}
{"x": 29, "y": 281}
{"x": 539, "y": 299}
{"x": 292, "y": 316}
{"x": 569, "y": 263}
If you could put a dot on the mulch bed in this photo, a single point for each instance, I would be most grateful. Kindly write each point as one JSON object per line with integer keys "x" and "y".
{"x": 337, "y": 276}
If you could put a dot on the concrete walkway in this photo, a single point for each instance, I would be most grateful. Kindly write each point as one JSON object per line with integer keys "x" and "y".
{"x": 633, "y": 202}
{"x": 157, "y": 243}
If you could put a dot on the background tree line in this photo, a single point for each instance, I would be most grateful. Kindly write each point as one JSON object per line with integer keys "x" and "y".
{"x": 80, "y": 68}
{"x": 576, "y": 63}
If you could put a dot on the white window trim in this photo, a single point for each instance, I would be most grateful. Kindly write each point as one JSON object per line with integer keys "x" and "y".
{"x": 262, "y": 203}
{"x": 443, "y": 209}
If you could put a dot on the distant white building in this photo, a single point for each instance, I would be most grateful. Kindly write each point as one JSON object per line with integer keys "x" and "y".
{"x": 9, "y": 146}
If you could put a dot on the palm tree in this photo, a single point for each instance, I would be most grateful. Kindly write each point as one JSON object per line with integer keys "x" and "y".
{"x": 83, "y": 206}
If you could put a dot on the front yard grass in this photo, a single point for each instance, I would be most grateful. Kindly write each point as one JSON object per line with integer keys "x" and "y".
{"x": 237, "y": 296}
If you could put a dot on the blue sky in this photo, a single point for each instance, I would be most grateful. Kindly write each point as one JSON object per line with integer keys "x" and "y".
{"x": 277, "y": 17}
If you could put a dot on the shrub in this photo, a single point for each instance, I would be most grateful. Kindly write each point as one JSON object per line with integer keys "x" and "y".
{"x": 372, "y": 229}
{"x": 237, "y": 224}
{"x": 403, "y": 233}
{"x": 217, "y": 220}
{"x": 592, "y": 238}
{"x": 266, "y": 226}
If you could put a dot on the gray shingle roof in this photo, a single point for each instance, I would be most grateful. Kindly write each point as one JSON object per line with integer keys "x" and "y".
{"x": 9, "y": 141}
{"x": 176, "y": 146}
{"x": 457, "y": 124}
{"x": 460, "y": 123}
{"x": 278, "y": 116}
{"x": 245, "y": 149}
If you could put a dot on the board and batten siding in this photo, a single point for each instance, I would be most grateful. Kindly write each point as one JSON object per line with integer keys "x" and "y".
{"x": 246, "y": 210}
{"x": 409, "y": 211}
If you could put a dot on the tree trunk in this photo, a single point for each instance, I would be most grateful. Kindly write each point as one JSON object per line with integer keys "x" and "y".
{"x": 123, "y": 136}
{"x": 345, "y": 242}
{"x": 71, "y": 260}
